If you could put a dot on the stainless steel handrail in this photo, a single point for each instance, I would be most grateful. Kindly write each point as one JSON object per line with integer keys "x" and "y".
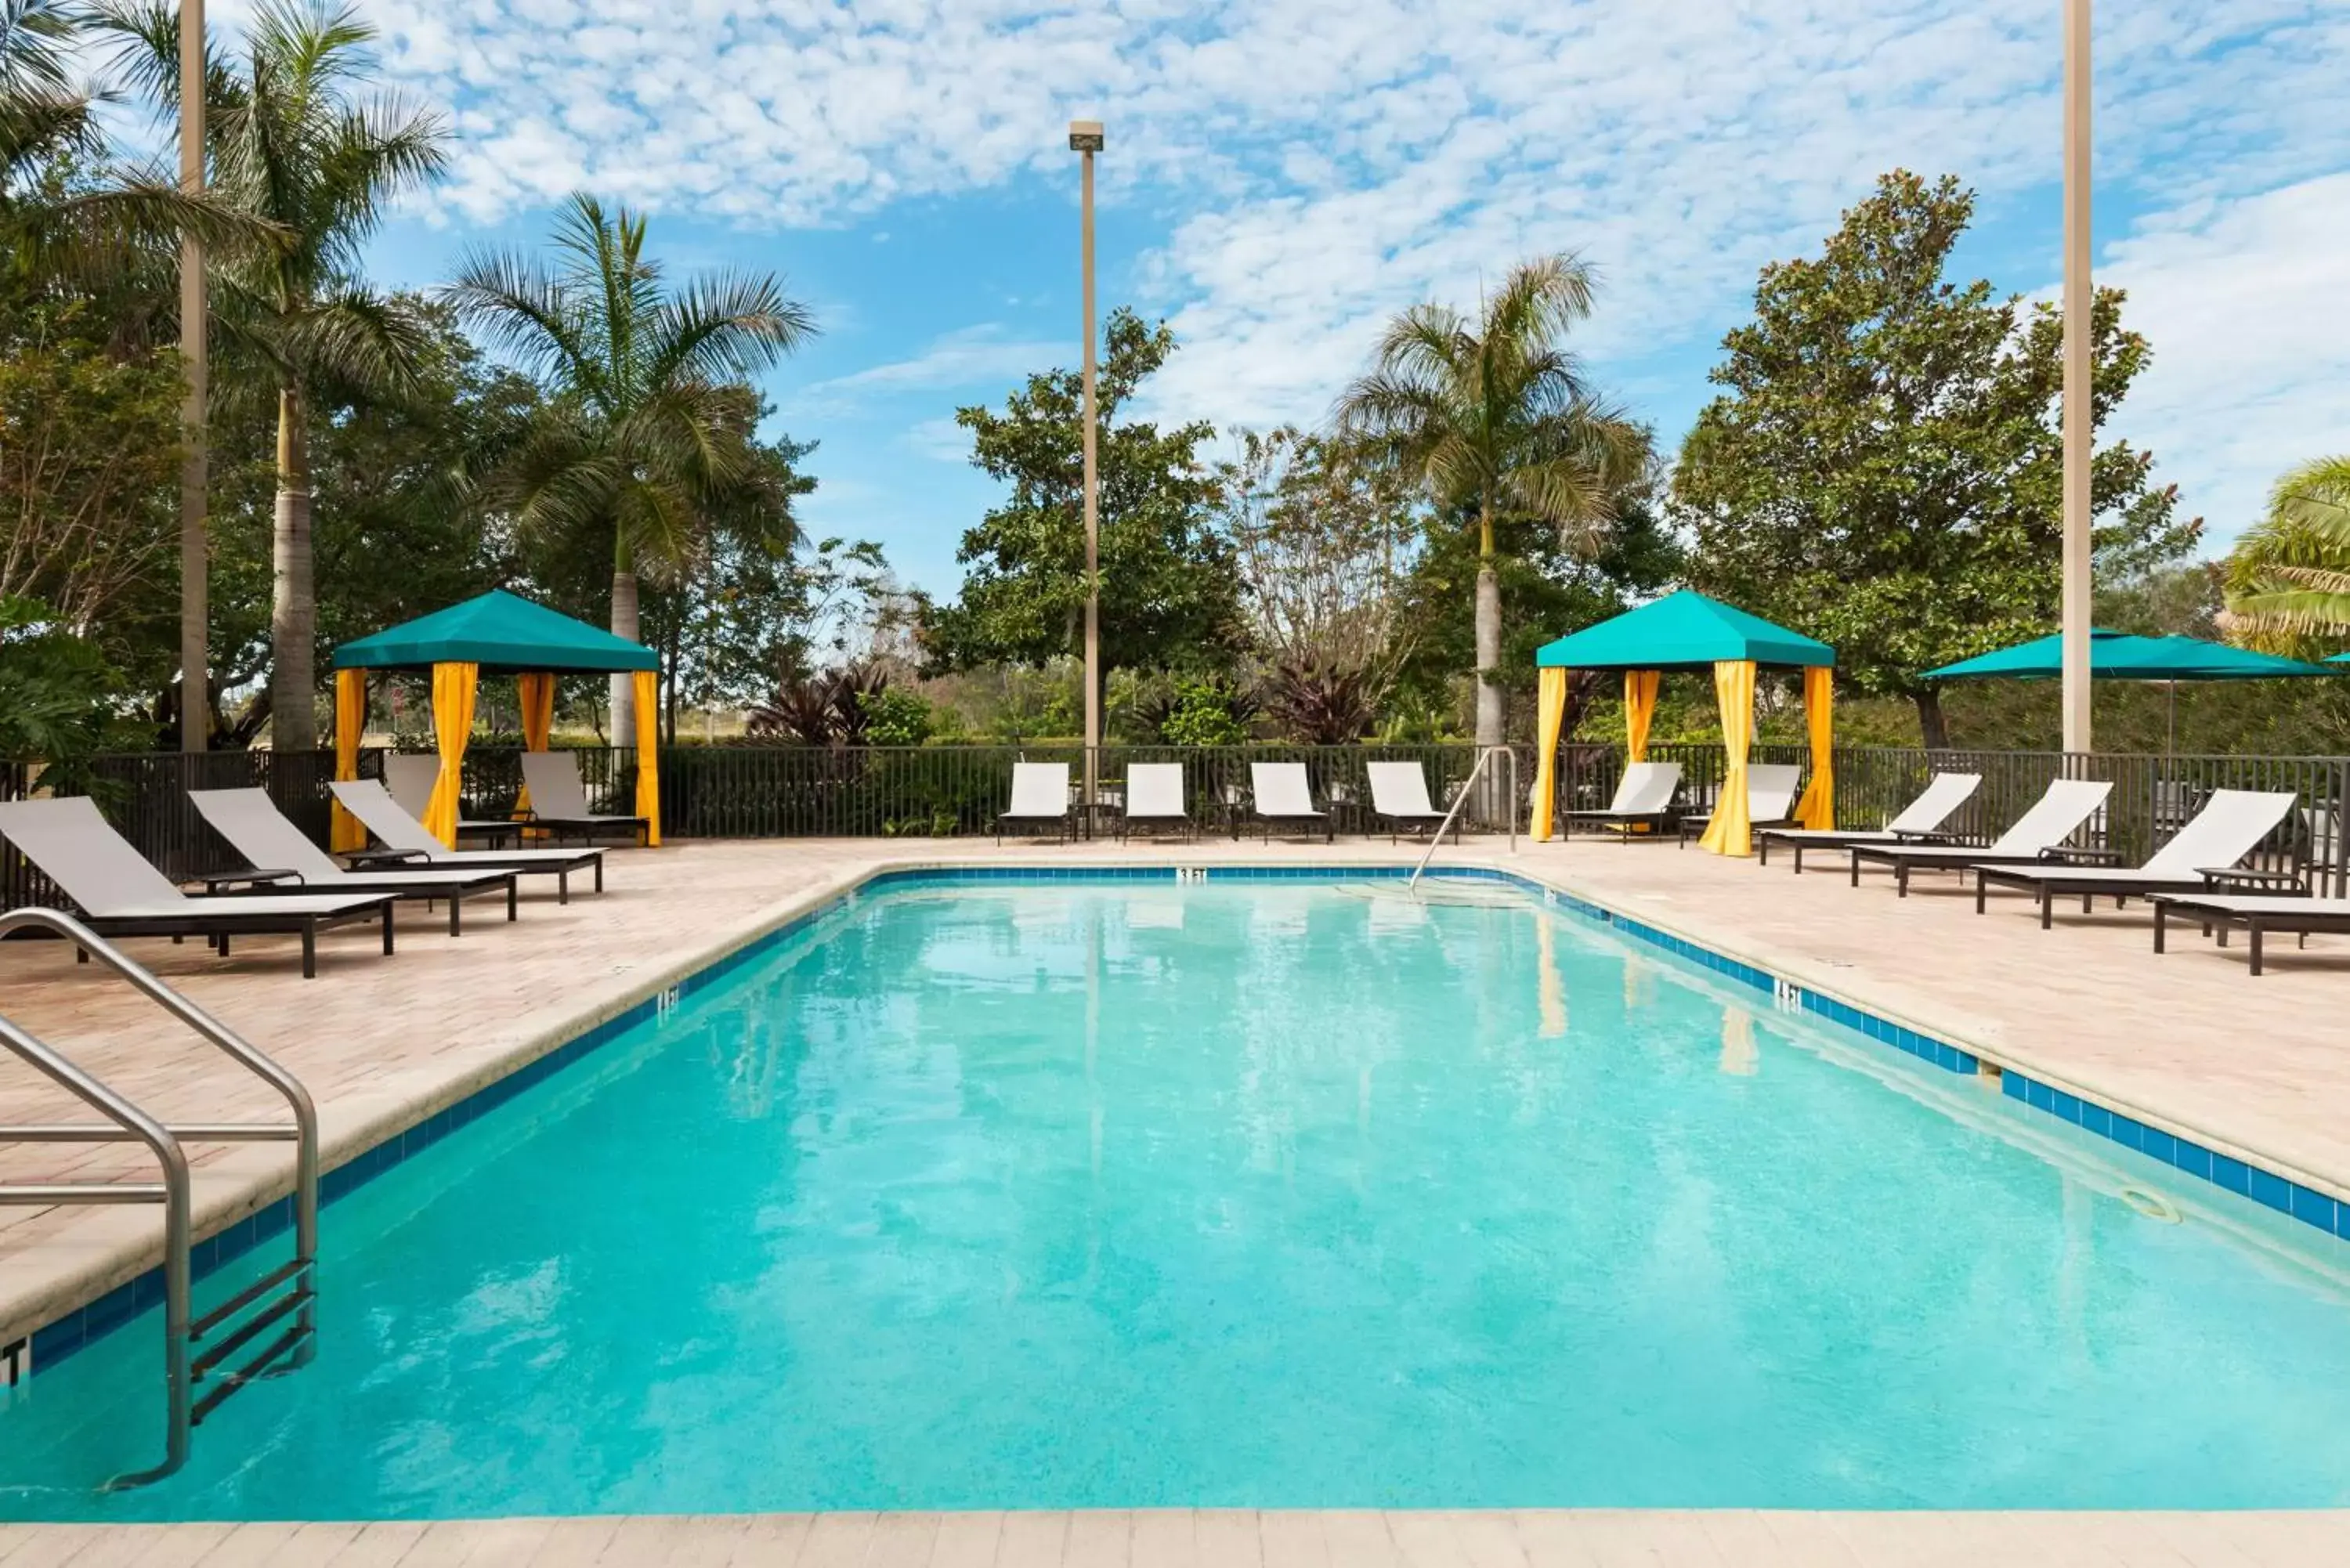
{"x": 174, "y": 1198}
{"x": 128, "y": 1122}
{"x": 1469, "y": 789}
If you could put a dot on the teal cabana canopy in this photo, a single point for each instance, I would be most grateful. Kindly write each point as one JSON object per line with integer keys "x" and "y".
{"x": 1688, "y": 631}
{"x": 2119, "y": 656}
{"x": 1685, "y": 630}
{"x": 504, "y": 633}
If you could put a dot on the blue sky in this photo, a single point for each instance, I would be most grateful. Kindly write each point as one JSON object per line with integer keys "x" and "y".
{"x": 1282, "y": 174}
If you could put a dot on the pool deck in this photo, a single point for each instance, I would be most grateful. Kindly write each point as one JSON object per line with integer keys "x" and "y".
{"x": 1183, "y": 1538}
{"x": 2187, "y": 1041}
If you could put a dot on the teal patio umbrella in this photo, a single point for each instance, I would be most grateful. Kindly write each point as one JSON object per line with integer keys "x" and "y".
{"x": 2120, "y": 656}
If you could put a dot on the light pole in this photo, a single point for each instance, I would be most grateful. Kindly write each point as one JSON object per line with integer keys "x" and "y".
{"x": 196, "y": 574}
{"x": 2078, "y": 430}
{"x": 1085, "y": 140}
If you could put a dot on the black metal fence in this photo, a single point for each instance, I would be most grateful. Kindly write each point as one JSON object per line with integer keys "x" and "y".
{"x": 772, "y": 792}
{"x": 2153, "y": 796}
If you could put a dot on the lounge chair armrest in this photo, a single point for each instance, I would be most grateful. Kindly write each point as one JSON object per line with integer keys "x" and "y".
{"x": 254, "y": 876}
{"x": 364, "y": 858}
{"x": 2078, "y": 854}
{"x": 2285, "y": 879}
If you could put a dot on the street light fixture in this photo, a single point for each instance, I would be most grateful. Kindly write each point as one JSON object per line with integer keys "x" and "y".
{"x": 1085, "y": 140}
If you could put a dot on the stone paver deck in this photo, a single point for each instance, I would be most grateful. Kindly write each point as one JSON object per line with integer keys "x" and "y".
{"x": 1240, "y": 1538}
{"x": 2188, "y": 1041}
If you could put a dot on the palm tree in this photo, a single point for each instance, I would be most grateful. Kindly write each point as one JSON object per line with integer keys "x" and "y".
{"x": 295, "y": 141}
{"x": 2288, "y": 578}
{"x": 1496, "y": 420}
{"x": 647, "y": 422}
{"x": 99, "y": 223}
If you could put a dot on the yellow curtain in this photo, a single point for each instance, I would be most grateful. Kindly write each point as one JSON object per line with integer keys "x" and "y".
{"x": 1731, "y": 829}
{"x": 1817, "y": 808}
{"x": 454, "y": 686}
{"x": 1639, "y": 707}
{"x": 345, "y": 834}
{"x": 535, "y": 693}
{"x": 649, "y": 753}
{"x": 1550, "y": 717}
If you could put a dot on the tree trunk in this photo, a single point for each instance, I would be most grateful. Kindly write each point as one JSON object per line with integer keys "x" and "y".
{"x": 294, "y": 603}
{"x": 1491, "y": 721}
{"x": 624, "y": 624}
{"x": 1930, "y": 719}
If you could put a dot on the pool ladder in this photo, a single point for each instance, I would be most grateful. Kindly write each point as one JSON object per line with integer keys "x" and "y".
{"x": 285, "y": 1293}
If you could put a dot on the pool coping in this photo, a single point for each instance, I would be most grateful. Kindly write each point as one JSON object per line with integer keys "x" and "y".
{"x": 66, "y": 1315}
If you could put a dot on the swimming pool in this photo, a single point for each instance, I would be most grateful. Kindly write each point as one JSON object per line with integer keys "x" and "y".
{"x": 1287, "y": 1194}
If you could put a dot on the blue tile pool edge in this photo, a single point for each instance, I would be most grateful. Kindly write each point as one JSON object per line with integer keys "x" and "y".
{"x": 81, "y": 1327}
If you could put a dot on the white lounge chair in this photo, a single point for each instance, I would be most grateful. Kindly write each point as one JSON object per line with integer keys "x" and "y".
{"x": 411, "y": 778}
{"x": 1770, "y": 798}
{"x": 1399, "y": 799}
{"x": 2255, "y": 913}
{"x": 1154, "y": 798}
{"x": 407, "y": 841}
{"x": 1040, "y": 798}
{"x": 1644, "y": 798}
{"x": 120, "y": 895}
{"x": 558, "y": 800}
{"x": 2054, "y": 817}
{"x": 278, "y": 853}
{"x": 1918, "y": 821}
{"x": 1281, "y": 797}
{"x": 2229, "y": 827}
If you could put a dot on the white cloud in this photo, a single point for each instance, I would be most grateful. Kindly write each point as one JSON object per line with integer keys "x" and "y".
{"x": 1316, "y": 163}
{"x": 2250, "y": 306}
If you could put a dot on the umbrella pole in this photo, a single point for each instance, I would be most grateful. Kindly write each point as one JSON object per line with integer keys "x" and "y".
{"x": 2171, "y": 718}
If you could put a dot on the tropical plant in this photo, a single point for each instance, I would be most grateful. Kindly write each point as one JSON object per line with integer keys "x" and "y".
{"x": 296, "y": 139}
{"x": 831, "y": 708}
{"x": 1320, "y": 704}
{"x": 1497, "y": 419}
{"x": 59, "y": 700}
{"x": 1195, "y": 710}
{"x": 2288, "y": 578}
{"x": 647, "y": 424}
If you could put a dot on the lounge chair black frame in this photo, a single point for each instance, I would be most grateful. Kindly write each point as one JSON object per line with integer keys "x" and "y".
{"x": 1414, "y": 822}
{"x": 260, "y": 880}
{"x": 2325, "y": 916}
{"x": 2050, "y": 888}
{"x": 1903, "y": 858}
{"x": 1837, "y": 844}
{"x": 217, "y": 925}
{"x": 489, "y": 860}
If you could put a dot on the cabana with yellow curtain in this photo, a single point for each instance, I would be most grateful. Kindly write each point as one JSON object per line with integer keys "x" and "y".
{"x": 498, "y": 633}
{"x": 1688, "y": 631}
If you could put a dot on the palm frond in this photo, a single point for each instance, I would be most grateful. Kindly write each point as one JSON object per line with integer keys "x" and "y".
{"x": 732, "y": 325}
{"x": 35, "y": 45}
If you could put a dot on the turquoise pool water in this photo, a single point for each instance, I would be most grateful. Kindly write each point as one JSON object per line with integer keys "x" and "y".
{"x": 1279, "y": 1195}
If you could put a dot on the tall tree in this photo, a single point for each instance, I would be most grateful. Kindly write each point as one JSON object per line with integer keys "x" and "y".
{"x": 1884, "y": 469}
{"x": 1169, "y": 594}
{"x": 1497, "y": 418}
{"x": 297, "y": 139}
{"x": 647, "y": 424}
{"x": 2288, "y": 578}
{"x": 1326, "y": 536}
